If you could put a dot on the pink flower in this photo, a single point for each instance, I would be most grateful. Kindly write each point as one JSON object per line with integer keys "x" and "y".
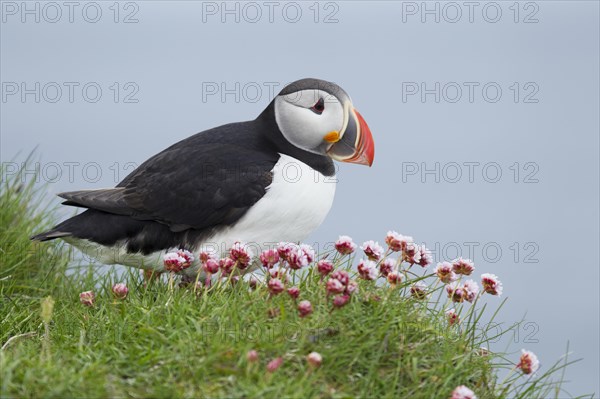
{"x": 394, "y": 278}
{"x": 462, "y": 392}
{"x": 418, "y": 290}
{"x": 412, "y": 253}
{"x": 397, "y": 242}
{"x": 87, "y": 298}
{"x": 269, "y": 257}
{"x": 284, "y": 249}
{"x": 452, "y": 317}
{"x": 203, "y": 256}
{"x": 444, "y": 272}
{"x": 275, "y": 286}
{"x": 298, "y": 258}
{"x": 387, "y": 266}
{"x": 314, "y": 359}
{"x": 294, "y": 292}
{"x": 456, "y": 292}
{"x": 211, "y": 266}
{"x": 252, "y": 356}
{"x": 120, "y": 290}
{"x": 342, "y": 276}
{"x": 528, "y": 363}
{"x": 463, "y": 266}
{"x": 226, "y": 265}
{"x": 372, "y": 249}
{"x": 491, "y": 284}
{"x": 309, "y": 252}
{"x": 305, "y": 308}
{"x": 334, "y": 286}
{"x": 351, "y": 288}
{"x": 344, "y": 245}
{"x": 274, "y": 364}
{"x": 187, "y": 255}
{"x": 367, "y": 269}
{"x": 425, "y": 257}
{"x": 340, "y": 300}
{"x": 324, "y": 267}
{"x": 241, "y": 255}
{"x": 174, "y": 262}
{"x": 471, "y": 290}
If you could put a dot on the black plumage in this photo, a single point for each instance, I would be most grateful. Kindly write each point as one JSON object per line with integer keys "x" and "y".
{"x": 188, "y": 191}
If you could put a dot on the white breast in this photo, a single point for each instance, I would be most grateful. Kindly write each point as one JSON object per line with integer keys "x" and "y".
{"x": 295, "y": 204}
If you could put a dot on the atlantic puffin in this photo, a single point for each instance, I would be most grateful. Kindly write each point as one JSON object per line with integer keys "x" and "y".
{"x": 263, "y": 181}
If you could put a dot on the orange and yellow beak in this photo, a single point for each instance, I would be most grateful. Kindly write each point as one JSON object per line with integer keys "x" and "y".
{"x": 355, "y": 143}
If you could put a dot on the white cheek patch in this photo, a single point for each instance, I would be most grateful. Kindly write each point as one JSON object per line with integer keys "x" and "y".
{"x": 301, "y": 126}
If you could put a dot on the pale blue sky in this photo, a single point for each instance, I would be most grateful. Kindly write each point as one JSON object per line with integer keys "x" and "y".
{"x": 541, "y": 133}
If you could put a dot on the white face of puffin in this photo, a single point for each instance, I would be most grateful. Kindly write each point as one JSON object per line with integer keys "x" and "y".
{"x": 319, "y": 122}
{"x": 310, "y": 119}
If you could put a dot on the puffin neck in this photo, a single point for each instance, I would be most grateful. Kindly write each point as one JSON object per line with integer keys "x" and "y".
{"x": 269, "y": 129}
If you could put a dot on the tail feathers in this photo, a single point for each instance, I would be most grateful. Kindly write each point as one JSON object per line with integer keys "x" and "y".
{"x": 50, "y": 235}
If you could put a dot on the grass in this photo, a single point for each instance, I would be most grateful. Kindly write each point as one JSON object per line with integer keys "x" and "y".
{"x": 178, "y": 343}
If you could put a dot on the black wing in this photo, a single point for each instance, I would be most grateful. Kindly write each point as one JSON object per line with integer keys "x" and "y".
{"x": 207, "y": 180}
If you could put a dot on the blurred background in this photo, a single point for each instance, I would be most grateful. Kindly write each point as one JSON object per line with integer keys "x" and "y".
{"x": 484, "y": 114}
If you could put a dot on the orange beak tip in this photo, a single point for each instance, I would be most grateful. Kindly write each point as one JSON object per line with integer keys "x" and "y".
{"x": 366, "y": 148}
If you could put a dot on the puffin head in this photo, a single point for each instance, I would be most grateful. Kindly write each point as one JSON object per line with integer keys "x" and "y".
{"x": 318, "y": 117}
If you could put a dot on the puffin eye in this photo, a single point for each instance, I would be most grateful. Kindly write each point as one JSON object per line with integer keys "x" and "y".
{"x": 319, "y": 107}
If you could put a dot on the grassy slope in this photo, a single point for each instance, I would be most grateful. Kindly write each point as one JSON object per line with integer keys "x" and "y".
{"x": 159, "y": 343}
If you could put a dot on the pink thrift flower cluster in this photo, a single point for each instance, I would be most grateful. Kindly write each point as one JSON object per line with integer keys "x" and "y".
{"x": 120, "y": 290}
{"x": 293, "y": 292}
{"x": 451, "y": 274}
{"x": 393, "y": 264}
{"x": 286, "y": 258}
{"x": 410, "y": 252}
{"x": 452, "y": 317}
{"x": 445, "y": 272}
{"x": 463, "y": 266}
{"x": 367, "y": 269}
{"x": 292, "y": 255}
{"x": 528, "y": 362}
{"x": 87, "y": 298}
{"x": 274, "y": 364}
{"x": 314, "y": 359}
{"x": 372, "y": 249}
{"x": 339, "y": 283}
{"x": 241, "y": 255}
{"x": 387, "y": 266}
{"x": 467, "y": 291}
{"x": 491, "y": 284}
{"x": 289, "y": 257}
{"x": 178, "y": 261}
{"x": 345, "y": 246}
{"x": 397, "y": 242}
{"x": 269, "y": 258}
{"x": 324, "y": 267}
{"x": 252, "y": 356}
{"x": 340, "y": 287}
{"x": 462, "y": 392}
{"x": 378, "y": 262}
{"x": 304, "y": 308}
